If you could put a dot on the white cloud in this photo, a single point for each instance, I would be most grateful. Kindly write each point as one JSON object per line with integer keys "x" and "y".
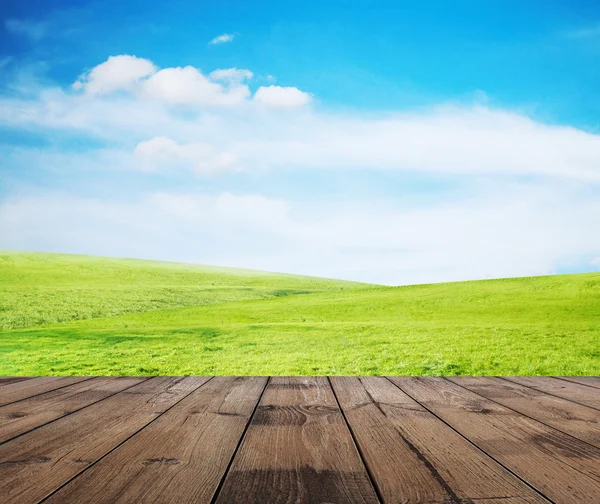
{"x": 231, "y": 75}
{"x": 475, "y": 140}
{"x": 469, "y": 140}
{"x": 222, "y": 39}
{"x": 174, "y": 86}
{"x": 500, "y": 231}
{"x": 277, "y": 96}
{"x": 117, "y": 73}
{"x": 32, "y": 29}
{"x": 161, "y": 152}
{"x": 181, "y": 86}
{"x": 498, "y": 228}
{"x": 225, "y": 213}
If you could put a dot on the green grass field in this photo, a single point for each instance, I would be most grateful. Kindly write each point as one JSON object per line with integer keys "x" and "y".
{"x": 64, "y": 314}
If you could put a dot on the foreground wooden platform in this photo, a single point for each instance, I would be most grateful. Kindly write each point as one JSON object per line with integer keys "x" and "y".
{"x": 300, "y": 440}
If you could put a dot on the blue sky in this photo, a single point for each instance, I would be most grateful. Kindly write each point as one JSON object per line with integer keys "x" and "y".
{"x": 408, "y": 142}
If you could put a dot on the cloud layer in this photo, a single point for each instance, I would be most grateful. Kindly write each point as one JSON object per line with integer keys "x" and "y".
{"x": 525, "y": 197}
{"x": 160, "y": 152}
{"x": 509, "y": 231}
{"x": 222, "y": 39}
{"x": 116, "y": 73}
{"x": 184, "y": 86}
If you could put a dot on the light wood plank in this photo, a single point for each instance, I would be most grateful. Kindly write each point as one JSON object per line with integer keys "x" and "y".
{"x": 582, "y": 394}
{"x": 415, "y": 457}
{"x": 590, "y": 381}
{"x": 27, "y": 388}
{"x": 179, "y": 458}
{"x": 37, "y": 463}
{"x": 297, "y": 450}
{"x": 6, "y": 380}
{"x": 28, "y": 414}
{"x": 579, "y": 421}
{"x": 562, "y": 468}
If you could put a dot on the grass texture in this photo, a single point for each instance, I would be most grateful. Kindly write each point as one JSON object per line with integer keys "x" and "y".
{"x": 79, "y": 315}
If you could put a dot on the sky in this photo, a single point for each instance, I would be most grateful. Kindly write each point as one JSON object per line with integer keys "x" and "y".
{"x": 407, "y": 142}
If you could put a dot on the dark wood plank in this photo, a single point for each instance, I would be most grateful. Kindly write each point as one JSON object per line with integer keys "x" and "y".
{"x": 562, "y": 468}
{"x": 588, "y": 396}
{"x": 28, "y": 388}
{"x": 575, "y": 419}
{"x": 179, "y": 458}
{"x": 37, "y": 463}
{"x": 414, "y": 457}
{"x": 6, "y": 380}
{"x": 22, "y": 416}
{"x": 590, "y": 381}
{"x": 297, "y": 450}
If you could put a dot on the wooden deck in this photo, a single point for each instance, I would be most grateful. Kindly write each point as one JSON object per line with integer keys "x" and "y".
{"x": 229, "y": 440}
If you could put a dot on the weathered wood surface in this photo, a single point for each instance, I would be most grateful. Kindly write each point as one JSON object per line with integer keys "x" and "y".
{"x": 23, "y": 389}
{"x": 592, "y": 381}
{"x": 561, "y": 467}
{"x": 571, "y": 418}
{"x": 298, "y": 449}
{"x": 404, "y": 444}
{"x": 582, "y": 394}
{"x": 22, "y": 416}
{"x": 181, "y": 457}
{"x": 296, "y": 440}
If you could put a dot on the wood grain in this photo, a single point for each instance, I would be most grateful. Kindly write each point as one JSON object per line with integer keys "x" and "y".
{"x": 414, "y": 456}
{"x": 230, "y": 440}
{"x": 591, "y": 381}
{"x": 6, "y": 380}
{"x": 579, "y": 421}
{"x": 37, "y": 463}
{"x": 298, "y": 450}
{"x": 560, "y": 467}
{"x": 582, "y": 394}
{"x": 22, "y": 416}
{"x": 179, "y": 458}
{"x": 27, "y": 388}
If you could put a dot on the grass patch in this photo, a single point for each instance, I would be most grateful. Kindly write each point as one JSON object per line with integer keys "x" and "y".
{"x": 263, "y": 324}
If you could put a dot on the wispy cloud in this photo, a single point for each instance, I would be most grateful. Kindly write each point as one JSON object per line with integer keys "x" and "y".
{"x": 504, "y": 230}
{"x": 160, "y": 152}
{"x": 223, "y": 39}
{"x": 586, "y": 32}
{"x": 4, "y": 62}
{"x": 32, "y": 29}
{"x": 177, "y": 123}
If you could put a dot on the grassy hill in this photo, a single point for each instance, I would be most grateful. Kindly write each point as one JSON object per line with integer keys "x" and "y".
{"x": 138, "y": 317}
{"x": 37, "y": 288}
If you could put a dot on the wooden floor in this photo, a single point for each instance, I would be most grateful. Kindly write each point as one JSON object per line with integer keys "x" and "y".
{"x": 230, "y": 440}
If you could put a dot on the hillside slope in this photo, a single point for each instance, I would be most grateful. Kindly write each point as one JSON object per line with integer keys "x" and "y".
{"x": 41, "y": 288}
{"x": 539, "y": 325}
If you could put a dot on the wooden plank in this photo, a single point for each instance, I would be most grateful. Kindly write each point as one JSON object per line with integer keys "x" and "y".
{"x": 179, "y": 458}
{"x": 6, "y": 380}
{"x": 590, "y": 381}
{"x": 582, "y": 394}
{"x": 575, "y": 419}
{"x": 297, "y": 449}
{"x": 39, "y": 462}
{"x": 22, "y": 416}
{"x": 414, "y": 457}
{"x": 28, "y": 388}
{"x": 562, "y": 468}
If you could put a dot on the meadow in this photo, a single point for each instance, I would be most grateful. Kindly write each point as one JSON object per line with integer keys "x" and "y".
{"x": 80, "y": 315}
